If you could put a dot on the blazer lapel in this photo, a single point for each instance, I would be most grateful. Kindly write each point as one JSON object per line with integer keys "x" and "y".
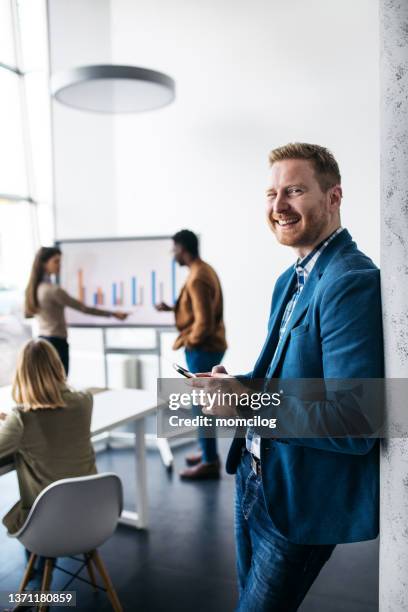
{"x": 176, "y": 305}
{"x": 300, "y": 307}
{"x": 307, "y": 294}
{"x": 272, "y": 338}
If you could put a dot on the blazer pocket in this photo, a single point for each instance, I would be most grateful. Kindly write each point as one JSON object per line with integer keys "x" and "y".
{"x": 300, "y": 329}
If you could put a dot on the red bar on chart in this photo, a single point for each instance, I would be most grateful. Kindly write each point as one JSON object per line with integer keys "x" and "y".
{"x": 81, "y": 289}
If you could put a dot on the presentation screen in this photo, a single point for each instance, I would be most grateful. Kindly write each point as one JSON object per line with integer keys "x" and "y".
{"x": 126, "y": 274}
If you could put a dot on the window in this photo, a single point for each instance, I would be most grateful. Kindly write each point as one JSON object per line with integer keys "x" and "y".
{"x": 17, "y": 245}
{"x": 13, "y": 175}
{"x": 25, "y": 151}
{"x": 7, "y": 49}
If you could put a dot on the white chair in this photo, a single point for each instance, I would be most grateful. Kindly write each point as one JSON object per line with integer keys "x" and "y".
{"x": 73, "y": 516}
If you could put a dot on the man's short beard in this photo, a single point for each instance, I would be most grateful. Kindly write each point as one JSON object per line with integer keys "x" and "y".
{"x": 307, "y": 238}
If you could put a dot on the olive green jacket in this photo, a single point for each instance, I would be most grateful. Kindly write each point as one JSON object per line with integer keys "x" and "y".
{"x": 47, "y": 444}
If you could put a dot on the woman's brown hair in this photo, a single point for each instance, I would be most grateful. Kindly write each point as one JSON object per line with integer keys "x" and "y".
{"x": 43, "y": 255}
{"x": 40, "y": 377}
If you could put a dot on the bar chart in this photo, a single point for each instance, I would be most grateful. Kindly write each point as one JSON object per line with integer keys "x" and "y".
{"x": 136, "y": 290}
{"x": 132, "y": 275}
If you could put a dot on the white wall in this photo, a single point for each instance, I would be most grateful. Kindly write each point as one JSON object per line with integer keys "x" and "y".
{"x": 80, "y": 34}
{"x": 250, "y": 77}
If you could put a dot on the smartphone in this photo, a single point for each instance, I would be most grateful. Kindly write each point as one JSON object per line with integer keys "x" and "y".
{"x": 183, "y": 371}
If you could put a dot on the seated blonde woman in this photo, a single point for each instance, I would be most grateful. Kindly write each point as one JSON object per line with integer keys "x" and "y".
{"x": 48, "y": 431}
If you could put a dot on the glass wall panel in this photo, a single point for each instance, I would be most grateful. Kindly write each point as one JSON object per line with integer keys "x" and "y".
{"x": 32, "y": 21}
{"x": 17, "y": 248}
{"x": 7, "y": 55}
{"x": 39, "y": 127}
{"x": 13, "y": 179}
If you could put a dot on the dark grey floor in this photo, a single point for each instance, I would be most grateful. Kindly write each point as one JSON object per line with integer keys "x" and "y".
{"x": 185, "y": 562}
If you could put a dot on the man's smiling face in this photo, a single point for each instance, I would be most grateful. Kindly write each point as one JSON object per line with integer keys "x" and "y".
{"x": 299, "y": 213}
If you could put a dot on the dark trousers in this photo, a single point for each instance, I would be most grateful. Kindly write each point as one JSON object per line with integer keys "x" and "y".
{"x": 62, "y": 348}
{"x": 203, "y": 361}
{"x": 274, "y": 575}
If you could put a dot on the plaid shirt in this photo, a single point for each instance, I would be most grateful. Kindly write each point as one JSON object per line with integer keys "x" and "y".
{"x": 303, "y": 268}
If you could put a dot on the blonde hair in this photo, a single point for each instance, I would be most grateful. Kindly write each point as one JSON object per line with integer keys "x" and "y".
{"x": 323, "y": 161}
{"x": 39, "y": 378}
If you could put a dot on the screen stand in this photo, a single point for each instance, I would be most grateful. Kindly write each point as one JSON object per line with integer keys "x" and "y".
{"x": 160, "y": 444}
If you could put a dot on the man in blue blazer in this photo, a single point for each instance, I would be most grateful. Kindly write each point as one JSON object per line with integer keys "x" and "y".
{"x": 298, "y": 497}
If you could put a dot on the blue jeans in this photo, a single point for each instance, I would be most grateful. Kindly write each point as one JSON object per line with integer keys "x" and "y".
{"x": 203, "y": 361}
{"x": 274, "y": 574}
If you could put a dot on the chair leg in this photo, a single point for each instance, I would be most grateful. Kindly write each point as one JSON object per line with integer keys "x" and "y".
{"x": 46, "y": 581}
{"x": 116, "y": 605}
{"x": 28, "y": 572}
{"x": 91, "y": 573}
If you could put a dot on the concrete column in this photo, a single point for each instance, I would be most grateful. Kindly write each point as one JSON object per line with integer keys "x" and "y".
{"x": 394, "y": 266}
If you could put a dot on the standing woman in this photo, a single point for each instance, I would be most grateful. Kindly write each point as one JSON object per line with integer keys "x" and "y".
{"x": 46, "y": 301}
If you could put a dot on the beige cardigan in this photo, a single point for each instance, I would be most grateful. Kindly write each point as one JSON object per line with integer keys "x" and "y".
{"x": 52, "y": 301}
{"x": 48, "y": 444}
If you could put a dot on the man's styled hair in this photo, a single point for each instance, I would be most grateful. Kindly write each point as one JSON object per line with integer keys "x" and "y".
{"x": 188, "y": 240}
{"x": 324, "y": 163}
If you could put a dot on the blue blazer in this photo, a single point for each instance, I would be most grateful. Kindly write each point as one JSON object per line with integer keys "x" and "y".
{"x": 326, "y": 490}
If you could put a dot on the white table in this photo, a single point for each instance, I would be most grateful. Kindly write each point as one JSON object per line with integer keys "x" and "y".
{"x": 111, "y": 409}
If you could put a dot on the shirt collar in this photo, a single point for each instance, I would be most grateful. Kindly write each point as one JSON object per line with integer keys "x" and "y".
{"x": 304, "y": 266}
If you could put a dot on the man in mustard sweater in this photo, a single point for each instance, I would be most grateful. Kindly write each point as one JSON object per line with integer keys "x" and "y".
{"x": 199, "y": 319}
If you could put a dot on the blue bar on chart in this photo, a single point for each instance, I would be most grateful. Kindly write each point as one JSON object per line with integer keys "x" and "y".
{"x": 95, "y": 300}
{"x": 173, "y": 281}
{"x": 114, "y": 294}
{"x": 153, "y": 288}
{"x": 122, "y": 293}
{"x": 134, "y": 291}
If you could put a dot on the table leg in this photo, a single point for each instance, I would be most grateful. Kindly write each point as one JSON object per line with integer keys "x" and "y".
{"x": 165, "y": 452}
{"x": 141, "y": 474}
{"x": 139, "y": 518}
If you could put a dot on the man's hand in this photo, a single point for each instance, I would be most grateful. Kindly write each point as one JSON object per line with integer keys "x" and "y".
{"x": 218, "y": 369}
{"x": 3, "y": 416}
{"x": 218, "y": 381}
{"x": 120, "y": 315}
{"x": 163, "y": 307}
